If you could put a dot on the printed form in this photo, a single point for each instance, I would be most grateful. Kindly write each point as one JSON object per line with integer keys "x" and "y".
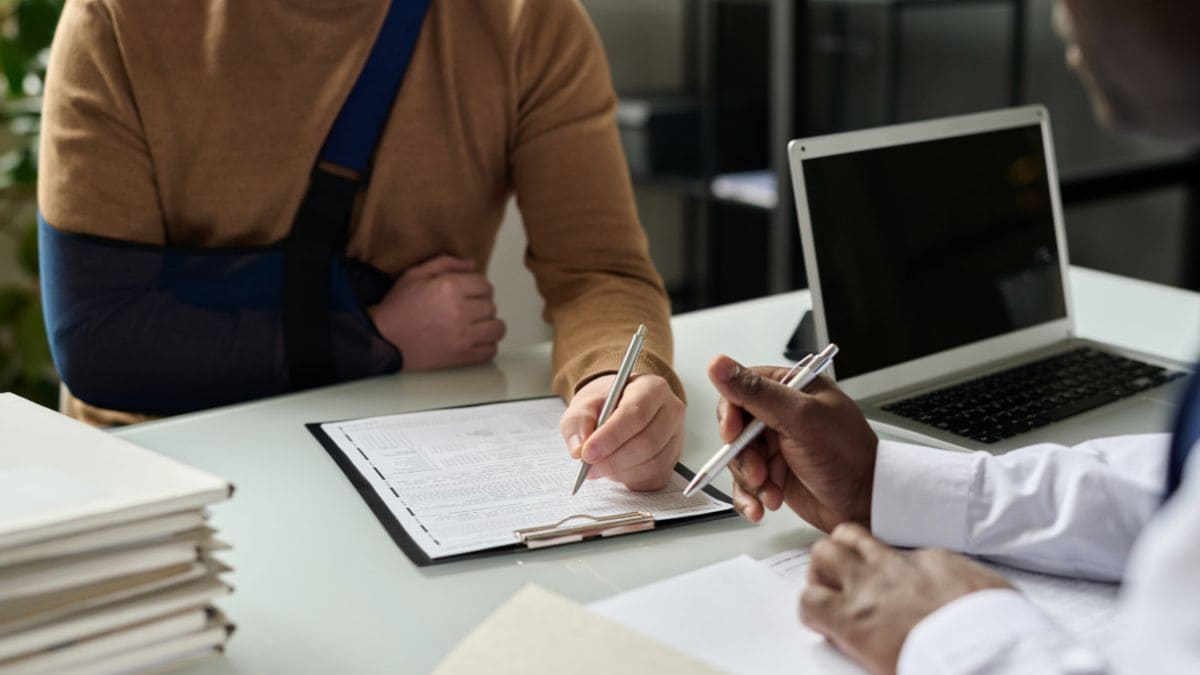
{"x": 462, "y": 480}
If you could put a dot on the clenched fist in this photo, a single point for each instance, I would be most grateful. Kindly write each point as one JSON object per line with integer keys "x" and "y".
{"x": 439, "y": 314}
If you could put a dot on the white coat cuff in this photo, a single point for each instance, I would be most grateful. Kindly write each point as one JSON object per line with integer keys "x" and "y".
{"x": 920, "y": 496}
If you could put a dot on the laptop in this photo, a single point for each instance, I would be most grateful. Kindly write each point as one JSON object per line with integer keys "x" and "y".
{"x": 937, "y": 261}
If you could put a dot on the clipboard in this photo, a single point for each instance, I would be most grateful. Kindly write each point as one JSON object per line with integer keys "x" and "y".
{"x": 581, "y": 527}
{"x": 532, "y": 537}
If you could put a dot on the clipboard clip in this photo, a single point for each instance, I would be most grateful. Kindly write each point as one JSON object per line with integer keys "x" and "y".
{"x": 595, "y": 527}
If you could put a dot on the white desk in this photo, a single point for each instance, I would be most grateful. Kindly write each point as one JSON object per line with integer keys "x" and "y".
{"x": 321, "y": 588}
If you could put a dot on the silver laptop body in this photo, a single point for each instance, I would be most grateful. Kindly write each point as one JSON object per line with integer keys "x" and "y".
{"x": 936, "y": 253}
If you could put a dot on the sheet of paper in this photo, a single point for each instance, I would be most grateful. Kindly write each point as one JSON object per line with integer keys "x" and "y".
{"x": 738, "y": 616}
{"x": 537, "y": 631}
{"x": 463, "y": 479}
{"x": 741, "y": 615}
{"x": 1087, "y": 609}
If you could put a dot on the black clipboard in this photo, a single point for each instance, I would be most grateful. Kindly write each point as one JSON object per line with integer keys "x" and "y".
{"x": 544, "y": 537}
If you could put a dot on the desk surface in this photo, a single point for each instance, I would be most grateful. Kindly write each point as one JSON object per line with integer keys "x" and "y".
{"x": 320, "y": 587}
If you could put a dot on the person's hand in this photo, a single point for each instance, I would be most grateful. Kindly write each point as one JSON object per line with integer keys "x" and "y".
{"x": 865, "y": 597}
{"x": 817, "y": 453}
{"x": 642, "y": 439}
{"x": 440, "y": 313}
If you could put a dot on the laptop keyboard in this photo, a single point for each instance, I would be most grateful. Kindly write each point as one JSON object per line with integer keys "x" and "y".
{"x": 994, "y": 407}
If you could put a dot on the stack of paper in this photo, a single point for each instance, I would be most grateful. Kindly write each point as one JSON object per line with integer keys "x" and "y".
{"x": 105, "y": 553}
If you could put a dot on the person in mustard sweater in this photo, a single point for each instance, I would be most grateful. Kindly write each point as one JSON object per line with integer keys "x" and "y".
{"x": 182, "y": 139}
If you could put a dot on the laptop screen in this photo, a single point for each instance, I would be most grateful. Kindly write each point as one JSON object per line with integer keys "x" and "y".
{"x": 932, "y": 245}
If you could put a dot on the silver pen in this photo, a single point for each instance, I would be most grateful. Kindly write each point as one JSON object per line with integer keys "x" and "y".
{"x": 614, "y": 394}
{"x": 798, "y": 377}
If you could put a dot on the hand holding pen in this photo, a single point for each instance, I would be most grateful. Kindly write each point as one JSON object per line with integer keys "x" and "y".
{"x": 817, "y": 453}
{"x": 640, "y": 442}
{"x": 805, "y": 371}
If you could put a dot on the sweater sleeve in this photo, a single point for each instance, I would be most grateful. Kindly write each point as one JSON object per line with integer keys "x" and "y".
{"x": 96, "y": 175}
{"x": 587, "y": 249}
{"x": 134, "y": 323}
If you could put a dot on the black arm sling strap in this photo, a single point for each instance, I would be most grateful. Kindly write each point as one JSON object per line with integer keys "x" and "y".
{"x": 320, "y": 230}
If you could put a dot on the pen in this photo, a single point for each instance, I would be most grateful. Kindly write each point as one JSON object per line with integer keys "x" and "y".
{"x": 614, "y": 393}
{"x": 798, "y": 377}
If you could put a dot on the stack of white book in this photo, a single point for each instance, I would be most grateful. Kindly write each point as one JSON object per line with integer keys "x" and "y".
{"x": 106, "y": 557}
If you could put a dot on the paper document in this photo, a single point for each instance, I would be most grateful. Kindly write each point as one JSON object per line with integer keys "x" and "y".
{"x": 737, "y": 615}
{"x": 1086, "y": 609}
{"x": 23, "y": 613}
{"x": 32, "y": 578}
{"x": 160, "y": 656}
{"x": 112, "y": 617}
{"x": 103, "y": 538}
{"x": 62, "y": 657}
{"x": 105, "y": 551}
{"x": 742, "y": 615}
{"x": 60, "y": 477}
{"x": 537, "y": 632}
{"x": 462, "y": 480}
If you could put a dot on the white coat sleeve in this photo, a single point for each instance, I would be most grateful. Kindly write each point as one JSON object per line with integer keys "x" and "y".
{"x": 1074, "y": 510}
{"x": 998, "y": 632}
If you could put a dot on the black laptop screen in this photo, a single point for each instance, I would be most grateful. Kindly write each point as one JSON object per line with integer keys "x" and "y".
{"x": 928, "y": 246}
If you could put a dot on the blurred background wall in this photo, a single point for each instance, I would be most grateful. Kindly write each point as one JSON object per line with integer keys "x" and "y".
{"x": 956, "y": 57}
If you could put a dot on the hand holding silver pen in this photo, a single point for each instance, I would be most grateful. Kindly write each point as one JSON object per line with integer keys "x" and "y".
{"x": 614, "y": 394}
{"x": 817, "y": 456}
{"x": 800, "y": 376}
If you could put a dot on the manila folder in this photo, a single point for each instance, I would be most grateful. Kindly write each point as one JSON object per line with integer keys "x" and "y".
{"x": 537, "y": 631}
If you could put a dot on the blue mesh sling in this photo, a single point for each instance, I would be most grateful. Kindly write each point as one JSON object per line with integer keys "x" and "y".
{"x": 193, "y": 328}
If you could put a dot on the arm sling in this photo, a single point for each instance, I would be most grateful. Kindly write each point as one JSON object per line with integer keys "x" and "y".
{"x": 169, "y": 329}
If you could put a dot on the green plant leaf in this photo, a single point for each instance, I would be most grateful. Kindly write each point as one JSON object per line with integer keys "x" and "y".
{"x": 25, "y": 172}
{"x": 15, "y": 62}
{"x": 27, "y": 250}
{"x": 36, "y": 20}
{"x": 12, "y": 300}
{"x": 7, "y": 370}
{"x": 31, "y": 344}
{"x": 43, "y": 391}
